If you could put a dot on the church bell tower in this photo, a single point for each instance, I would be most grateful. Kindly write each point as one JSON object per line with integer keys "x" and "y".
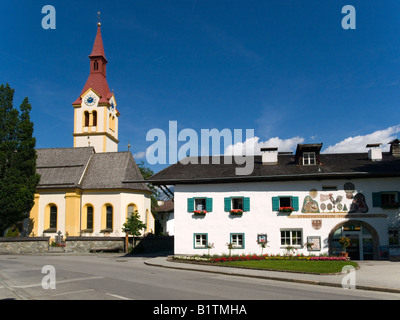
{"x": 95, "y": 113}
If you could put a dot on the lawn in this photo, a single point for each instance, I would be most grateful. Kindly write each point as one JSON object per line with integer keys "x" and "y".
{"x": 292, "y": 265}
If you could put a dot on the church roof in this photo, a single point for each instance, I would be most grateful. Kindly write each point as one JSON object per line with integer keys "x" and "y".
{"x": 62, "y": 167}
{"x": 112, "y": 170}
{"x": 98, "y": 48}
{"x": 97, "y": 80}
{"x": 83, "y": 168}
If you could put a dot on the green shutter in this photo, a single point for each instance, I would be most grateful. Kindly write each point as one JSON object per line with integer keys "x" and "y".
{"x": 295, "y": 203}
{"x": 376, "y": 199}
{"x": 190, "y": 204}
{"x": 209, "y": 204}
{"x": 246, "y": 204}
{"x": 227, "y": 204}
{"x": 275, "y": 203}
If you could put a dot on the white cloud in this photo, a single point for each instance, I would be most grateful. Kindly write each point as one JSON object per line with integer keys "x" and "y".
{"x": 139, "y": 155}
{"x": 252, "y": 146}
{"x": 358, "y": 143}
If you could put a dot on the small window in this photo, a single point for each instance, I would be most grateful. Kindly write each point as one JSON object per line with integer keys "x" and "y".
{"x": 309, "y": 158}
{"x": 237, "y": 240}
{"x": 237, "y": 203}
{"x": 394, "y": 239}
{"x": 200, "y": 240}
{"x": 200, "y": 204}
{"x": 389, "y": 199}
{"x": 89, "y": 217}
{"x": 95, "y": 65}
{"x": 53, "y": 217}
{"x": 329, "y": 188}
{"x": 291, "y": 237}
{"x": 285, "y": 202}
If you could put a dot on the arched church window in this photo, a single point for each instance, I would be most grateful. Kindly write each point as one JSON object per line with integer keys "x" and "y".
{"x": 94, "y": 118}
{"x": 53, "y": 216}
{"x": 109, "y": 217}
{"x": 86, "y": 119}
{"x": 89, "y": 217}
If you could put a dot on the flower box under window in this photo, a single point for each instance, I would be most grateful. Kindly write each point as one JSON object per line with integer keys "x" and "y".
{"x": 286, "y": 209}
{"x": 199, "y": 212}
{"x": 236, "y": 211}
{"x": 285, "y": 204}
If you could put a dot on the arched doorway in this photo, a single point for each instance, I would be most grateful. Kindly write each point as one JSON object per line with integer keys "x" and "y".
{"x": 363, "y": 237}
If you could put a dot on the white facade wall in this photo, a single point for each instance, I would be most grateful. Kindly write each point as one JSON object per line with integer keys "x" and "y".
{"x": 261, "y": 219}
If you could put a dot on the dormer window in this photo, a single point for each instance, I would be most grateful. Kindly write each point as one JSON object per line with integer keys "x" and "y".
{"x": 309, "y": 158}
{"x": 308, "y": 154}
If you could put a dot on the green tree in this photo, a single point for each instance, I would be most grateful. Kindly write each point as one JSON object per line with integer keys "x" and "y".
{"x": 18, "y": 177}
{"x": 133, "y": 225}
{"x": 147, "y": 173}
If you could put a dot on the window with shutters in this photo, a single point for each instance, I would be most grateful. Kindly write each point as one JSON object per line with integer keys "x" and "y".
{"x": 236, "y": 204}
{"x": 285, "y": 203}
{"x": 386, "y": 199}
{"x": 197, "y": 205}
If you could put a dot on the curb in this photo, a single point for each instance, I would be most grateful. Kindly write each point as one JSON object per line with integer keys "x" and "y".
{"x": 311, "y": 282}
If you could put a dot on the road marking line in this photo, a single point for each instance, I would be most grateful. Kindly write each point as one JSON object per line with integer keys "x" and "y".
{"x": 119, "y": 297}
{"x": 59, "y": 281}
{"x": 72, "y": 292}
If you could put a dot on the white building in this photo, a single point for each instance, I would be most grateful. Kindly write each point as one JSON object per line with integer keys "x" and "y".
{"x": 330, "y": 195}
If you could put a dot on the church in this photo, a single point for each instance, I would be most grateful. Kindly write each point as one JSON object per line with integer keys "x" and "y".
{"x": 85, "y": 190}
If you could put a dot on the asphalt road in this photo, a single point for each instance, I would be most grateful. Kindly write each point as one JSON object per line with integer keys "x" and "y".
{"x": 115, "y": 277}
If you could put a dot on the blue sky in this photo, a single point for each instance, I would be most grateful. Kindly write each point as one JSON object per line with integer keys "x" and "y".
{"x": 286, "y": 69}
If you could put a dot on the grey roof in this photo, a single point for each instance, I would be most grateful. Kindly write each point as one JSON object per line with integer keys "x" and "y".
{"x": 112, "y": 170}
{"x": 332, "y": 166}
{"x": 85, "y": 169}
{"x": 62, "y": 167}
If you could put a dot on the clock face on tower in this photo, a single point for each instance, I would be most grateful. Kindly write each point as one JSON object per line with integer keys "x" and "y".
{"x": 90, "y": 100}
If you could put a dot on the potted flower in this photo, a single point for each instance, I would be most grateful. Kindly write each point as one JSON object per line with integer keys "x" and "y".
{"x": 286, "y": 209}
{"x": 236, "y": 211}
{"x": 200, "y": 211}
{"x": 344, "y": 242}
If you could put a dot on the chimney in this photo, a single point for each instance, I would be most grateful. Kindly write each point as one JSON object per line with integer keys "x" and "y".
{"x": 269, "y": 155}
{"x": 395, "y": 148}
{"x": 375, "y": 151}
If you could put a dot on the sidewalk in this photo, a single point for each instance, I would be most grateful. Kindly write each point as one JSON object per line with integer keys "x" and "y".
{"x": 371, "y": 275}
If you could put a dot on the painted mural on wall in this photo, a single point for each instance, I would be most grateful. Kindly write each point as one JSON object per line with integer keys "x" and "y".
{"x": 329, "y": 202}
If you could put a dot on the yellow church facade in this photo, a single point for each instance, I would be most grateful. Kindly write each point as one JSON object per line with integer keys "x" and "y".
{"x": 87, "y": 190}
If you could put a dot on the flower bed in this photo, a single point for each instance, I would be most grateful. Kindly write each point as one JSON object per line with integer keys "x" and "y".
{"x": 277, "y": 257}
{"x": 215, "y": 259}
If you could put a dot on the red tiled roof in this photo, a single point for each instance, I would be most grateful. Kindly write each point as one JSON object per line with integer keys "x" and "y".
{"x": 97, "y": 80}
